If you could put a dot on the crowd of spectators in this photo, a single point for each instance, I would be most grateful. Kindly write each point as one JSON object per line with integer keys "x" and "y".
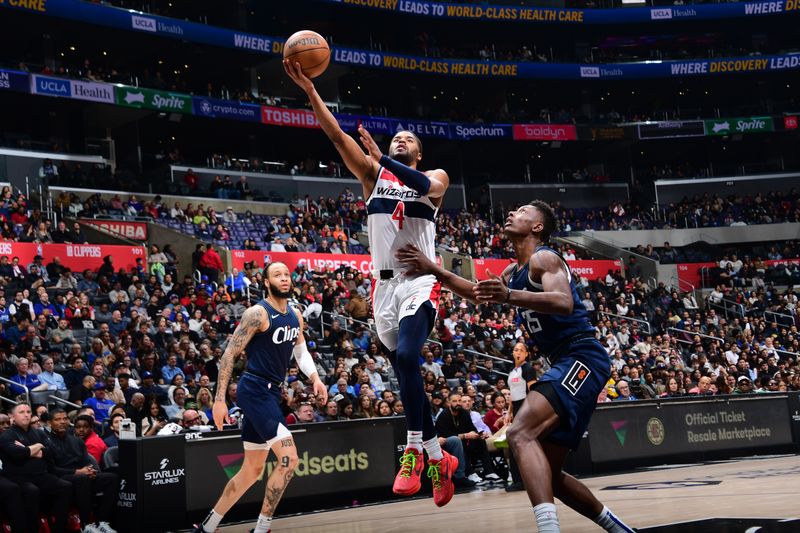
{"x": 147, "y": 344}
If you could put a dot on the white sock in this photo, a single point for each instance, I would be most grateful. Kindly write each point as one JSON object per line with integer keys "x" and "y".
{"x": 434, "y": 449}
{"x": 211, "y": 523}
{"x": 609, "y": 521}
{"x": 546, "y": 518}
{"x": 414, "y": 440}
{"x": 263, "y": 524}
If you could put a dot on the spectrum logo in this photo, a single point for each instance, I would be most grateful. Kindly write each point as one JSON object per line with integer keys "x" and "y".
{"x": 620, "y": 429}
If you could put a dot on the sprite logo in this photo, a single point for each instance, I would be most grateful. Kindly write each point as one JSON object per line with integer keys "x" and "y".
{"x": 739, "y": 125}
{"x": 620, "y": 430}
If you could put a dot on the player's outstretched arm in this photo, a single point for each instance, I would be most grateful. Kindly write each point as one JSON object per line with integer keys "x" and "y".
{"x": 306, "y": 363}
{"x": 354, "y": 157}
{"x": 254, "y": 319}
{"x": 556, "y": 295}
{"x": 419, "y": 264}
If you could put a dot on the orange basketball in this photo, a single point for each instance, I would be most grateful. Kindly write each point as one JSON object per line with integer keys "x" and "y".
{"x": 310, "y": 49}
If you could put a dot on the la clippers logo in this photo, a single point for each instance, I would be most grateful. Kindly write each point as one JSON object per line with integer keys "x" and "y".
{"x": 576, "y": 377}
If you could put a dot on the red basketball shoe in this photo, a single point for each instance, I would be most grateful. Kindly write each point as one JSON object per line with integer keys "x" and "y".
{"x": 407, "y": 481}
{"x": 441, "y": 474}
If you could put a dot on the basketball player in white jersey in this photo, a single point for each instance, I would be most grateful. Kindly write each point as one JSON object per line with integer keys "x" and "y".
{"x": 402, "y": 204}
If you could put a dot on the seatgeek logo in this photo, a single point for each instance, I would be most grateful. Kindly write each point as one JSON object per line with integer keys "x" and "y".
{"x": 164, "y": 475}
{"x": 144, "y": 23}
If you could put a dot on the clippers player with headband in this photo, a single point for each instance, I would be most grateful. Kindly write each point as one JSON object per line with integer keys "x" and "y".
{"x": 402, "y": 204}
{"x": 270, "y": 332}
{"x": 556, "y": 411}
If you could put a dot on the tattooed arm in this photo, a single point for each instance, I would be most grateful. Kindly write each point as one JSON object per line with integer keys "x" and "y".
{"x": 254, "y": 320}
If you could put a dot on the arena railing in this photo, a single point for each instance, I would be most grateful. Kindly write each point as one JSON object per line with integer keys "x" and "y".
{"x": 779, "y": 318}
{"x": 646, "y": 325}
{"x": 15, "y": 384}
{"x": 794, "y": 355}
{"x": 692, "y": 334}
{"x": 729, "y": 307}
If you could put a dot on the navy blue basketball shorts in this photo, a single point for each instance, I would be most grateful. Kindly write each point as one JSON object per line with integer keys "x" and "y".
{"x": 263, "y": 424}
{"x": 571, "y": 386}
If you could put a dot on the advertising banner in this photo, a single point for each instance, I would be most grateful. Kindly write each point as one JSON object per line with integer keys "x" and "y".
{"x": 142, "y": 98}
{"x": 728, "y": 126}
{"x": 790, "y": 122}
{"x": 76, "y": 257}
{"x": 50, "y": 86}
{"x": 586, "y": 269}
{"x": 12, "y": 80}
{"x": 355, "y": 454}
{"x": 214, "y": 108}
{"x": 549, "y": 15}
{"x": 672, "y": 128}
{"x": 153, "y": 471}
{"x": 201, "y": 33}
{"x": 685, "y": 427}
{"x": 545, "y": 132}
{"x": 94, "y": 92}
{"x": 312, "y": 261}
{"x": 130, "y": 230}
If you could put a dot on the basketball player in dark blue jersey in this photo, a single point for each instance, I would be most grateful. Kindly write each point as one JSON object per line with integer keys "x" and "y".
{"x": 556, "y": 412}
{"x": 270, "y": 332}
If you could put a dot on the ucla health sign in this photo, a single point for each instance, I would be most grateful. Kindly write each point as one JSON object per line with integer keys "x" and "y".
{"x": 51, "y": 86}
{"x": 94, "y": 92}
{"x": 214, "y": 108}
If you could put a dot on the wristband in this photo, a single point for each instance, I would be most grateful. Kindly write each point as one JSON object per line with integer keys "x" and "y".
{"x": 508, "y": 295}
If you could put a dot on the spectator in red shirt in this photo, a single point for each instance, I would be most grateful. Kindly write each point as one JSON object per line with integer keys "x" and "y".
{"x": 495, "y": 417}
{"x": 211, "y": 263}
{"x": 84, "y": 430}
{"x": 190, "y": 179}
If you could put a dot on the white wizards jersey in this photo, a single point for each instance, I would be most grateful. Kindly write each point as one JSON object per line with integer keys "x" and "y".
{"x": 398, "y": 215}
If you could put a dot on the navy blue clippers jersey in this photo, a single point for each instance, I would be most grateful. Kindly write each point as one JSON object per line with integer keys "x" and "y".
{"x": 547, "y": 330}
{"x": 268, "y": 353}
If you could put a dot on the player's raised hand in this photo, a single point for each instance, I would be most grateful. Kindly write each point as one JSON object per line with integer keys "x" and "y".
{"x": 320, "y": 390}
{"x": 369, "y": 144}
{"x": 220, "y": 412}
{"x": 416, "y": 261}
{"x": 295, "y": 71}
{"x": 491, "y": 290}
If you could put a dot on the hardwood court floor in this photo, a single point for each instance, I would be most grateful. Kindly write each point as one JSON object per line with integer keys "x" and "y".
{"x": 751, "y": 487}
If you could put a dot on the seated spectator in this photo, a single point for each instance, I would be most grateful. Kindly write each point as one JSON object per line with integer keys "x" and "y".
{"x": 84, "y": 430}
{"x": 73, "y": 462}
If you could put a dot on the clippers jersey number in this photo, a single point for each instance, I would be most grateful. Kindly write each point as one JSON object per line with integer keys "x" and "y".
{"x": 399, "y": 214}
{"x": 532, "y": 322}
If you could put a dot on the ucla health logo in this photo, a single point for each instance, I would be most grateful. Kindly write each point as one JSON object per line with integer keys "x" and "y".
{"x": 590, "y": 72}
{"x": 661, "y": 13}
{"x": 143, "y": 23}
{"x": 52, "y": 86}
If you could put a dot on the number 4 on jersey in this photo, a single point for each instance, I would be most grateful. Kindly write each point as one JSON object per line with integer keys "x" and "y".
{"x": 399, "y": 214}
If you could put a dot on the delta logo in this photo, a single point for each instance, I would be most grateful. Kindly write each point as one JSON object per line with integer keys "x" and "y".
{"x": 620, "y": 428}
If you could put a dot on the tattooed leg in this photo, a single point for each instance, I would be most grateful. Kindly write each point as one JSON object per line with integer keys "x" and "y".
{"x": 252, "y": 468}
{"x": 286, "y": 453}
